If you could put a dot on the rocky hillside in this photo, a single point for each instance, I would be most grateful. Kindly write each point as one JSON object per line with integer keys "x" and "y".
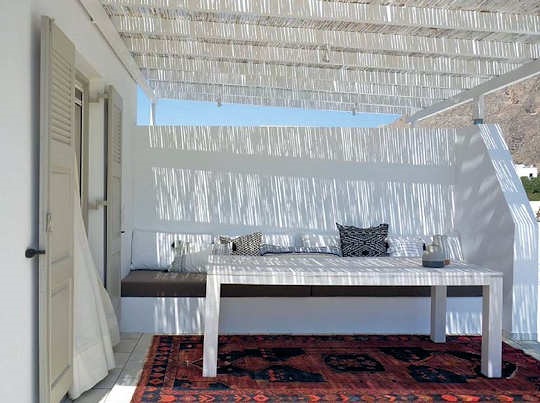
{"x": 516, "y": 109}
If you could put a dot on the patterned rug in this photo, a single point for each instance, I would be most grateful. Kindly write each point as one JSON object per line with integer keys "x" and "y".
{"x": 333, "y": 368}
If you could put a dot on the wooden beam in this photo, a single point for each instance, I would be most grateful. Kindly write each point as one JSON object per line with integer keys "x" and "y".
{"x": 163, "y": 89}
{"x": 522, "y": 73}
{"x": 320, "y": 37}
{"x": 322, "y": 57}
{"x": 104, "y": 25}
{"x": 290, "y": 103}
{"x": 352, "y": 13}
{"x": 308, "y": 83}
{"x": 155, "y": 62}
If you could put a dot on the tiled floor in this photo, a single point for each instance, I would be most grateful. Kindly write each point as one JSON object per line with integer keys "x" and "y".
{"x": 119, "y": 386}
{"x": 130, "y": 354}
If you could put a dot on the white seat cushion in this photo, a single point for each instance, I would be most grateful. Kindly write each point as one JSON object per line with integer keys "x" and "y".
{"x": 151, "y": 250}
{"x": 318, "y": 240}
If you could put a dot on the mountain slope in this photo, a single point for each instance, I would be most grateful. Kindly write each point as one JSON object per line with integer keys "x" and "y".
{"x": 516, "y": 109}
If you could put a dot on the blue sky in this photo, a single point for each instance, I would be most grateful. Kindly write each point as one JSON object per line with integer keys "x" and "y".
{"x": 175, "y": 112}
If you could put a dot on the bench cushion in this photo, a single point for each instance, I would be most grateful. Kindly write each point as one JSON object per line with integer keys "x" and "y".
{"x": 379, "y": 291}
{"x": 151, "y": 283}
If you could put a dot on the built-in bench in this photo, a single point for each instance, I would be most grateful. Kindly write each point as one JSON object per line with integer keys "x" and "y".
{"x": 157, "y": 301}
{"x": 151, "y": 283}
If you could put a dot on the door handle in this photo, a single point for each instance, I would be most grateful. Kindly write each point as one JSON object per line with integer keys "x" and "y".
{"x": 30, "y": 252}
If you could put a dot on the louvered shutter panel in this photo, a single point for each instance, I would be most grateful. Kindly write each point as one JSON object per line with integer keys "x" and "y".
{"x": 114, "y": 195}
{"x": 56, "y": 213}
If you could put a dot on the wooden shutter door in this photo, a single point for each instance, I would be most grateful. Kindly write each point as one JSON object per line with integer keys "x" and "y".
{"x": 114, "y": 195}
{"x": 56, "y": 213}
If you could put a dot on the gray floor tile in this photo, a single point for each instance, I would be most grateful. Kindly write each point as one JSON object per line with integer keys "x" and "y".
{"x": 110, "y": 380}
{"x": 125, "y": 346}
{"x": 94, "y": 396}
{"x": 145, "y": 340}
{"x": 129, "y": 375}
{"x": 130, "y": 336}
{"x": 140, "y": 353}
{"x": 121, "y": 359}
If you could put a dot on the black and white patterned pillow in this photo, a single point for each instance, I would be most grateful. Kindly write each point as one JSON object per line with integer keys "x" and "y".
{"x": 363, "y": 241}
{"x": 249, "y": 245}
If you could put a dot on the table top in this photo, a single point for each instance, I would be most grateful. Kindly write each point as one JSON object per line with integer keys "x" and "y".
{"x": 321, "y": 269}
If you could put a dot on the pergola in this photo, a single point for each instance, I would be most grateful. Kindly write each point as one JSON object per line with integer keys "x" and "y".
{"x": 407, "y": 57}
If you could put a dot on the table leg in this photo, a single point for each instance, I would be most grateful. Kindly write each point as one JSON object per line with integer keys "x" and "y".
{"x": 492, "y": 328}
{"x": 438, "y": 313}
{"x": 211, "y": 326}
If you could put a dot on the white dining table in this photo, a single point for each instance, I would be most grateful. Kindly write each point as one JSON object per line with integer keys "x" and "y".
{"x": 373, "y": 271}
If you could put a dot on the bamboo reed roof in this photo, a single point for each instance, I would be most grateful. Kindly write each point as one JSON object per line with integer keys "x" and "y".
{"x": 388, "y": 56}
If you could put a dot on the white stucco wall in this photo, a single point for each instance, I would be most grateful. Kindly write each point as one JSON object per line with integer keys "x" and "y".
{"x": 496, "y": 223}
{"x": 19, "y": 136}
{"x": 286, "y": 179}
{"x": 291, "y": 180}
{"x": 420, "y": 181}
{"x": 18, "y": 145}
{"x": 526, "y": 170}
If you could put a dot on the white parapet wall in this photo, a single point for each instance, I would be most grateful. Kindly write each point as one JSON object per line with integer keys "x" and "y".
{"x": 335, "y": 315}
{"x": 497, "y": 226}
{"x": 223, "y": 180}
{"x": 294, "y": 179}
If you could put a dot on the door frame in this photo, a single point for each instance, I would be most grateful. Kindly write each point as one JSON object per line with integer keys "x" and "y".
{"x": 113, "y": 113}
{"x": 83, "y": 84}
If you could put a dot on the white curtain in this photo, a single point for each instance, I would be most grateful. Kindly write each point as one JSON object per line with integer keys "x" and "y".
{"x": 95, "y": 325}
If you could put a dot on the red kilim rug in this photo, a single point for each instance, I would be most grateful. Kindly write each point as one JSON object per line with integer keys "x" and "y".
{"x": 333, "y": 368}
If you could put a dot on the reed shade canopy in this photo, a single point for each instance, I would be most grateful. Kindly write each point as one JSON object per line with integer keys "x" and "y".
{"x": 382, "y": 56}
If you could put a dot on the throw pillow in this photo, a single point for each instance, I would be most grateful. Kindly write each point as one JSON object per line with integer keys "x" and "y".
{"x": 363, "y": 241}
{"x": 405, "y": 246}
{"x": 190, "y": 257}
{"x": 248, "y": 245}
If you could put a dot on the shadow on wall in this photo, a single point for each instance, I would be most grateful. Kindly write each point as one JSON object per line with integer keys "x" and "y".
{"x": 524, "y": 292}
{"x": 207, "y": 179}
{"x": 497, "y": 226}
{"x": 422, "y": 147}
{"x": 283, "y": 316}
{"x": 315, "y": 203}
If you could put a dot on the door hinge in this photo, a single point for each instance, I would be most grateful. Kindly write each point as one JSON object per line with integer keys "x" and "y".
{"x": 48, "y": 223}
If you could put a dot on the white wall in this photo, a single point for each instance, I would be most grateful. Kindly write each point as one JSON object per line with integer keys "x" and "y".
{"x": 497, "y": 226}
{"x": 291, "y": 180}
{"x": 286, "y": 179}
{"x": 526, "y": 171}
{"x": 283, "y": 179}
{"x": 100, "y": 65}
{"x": 18, "y": 146}
{"x": 335, "y": 315}
{"x": 19, "y": 136}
